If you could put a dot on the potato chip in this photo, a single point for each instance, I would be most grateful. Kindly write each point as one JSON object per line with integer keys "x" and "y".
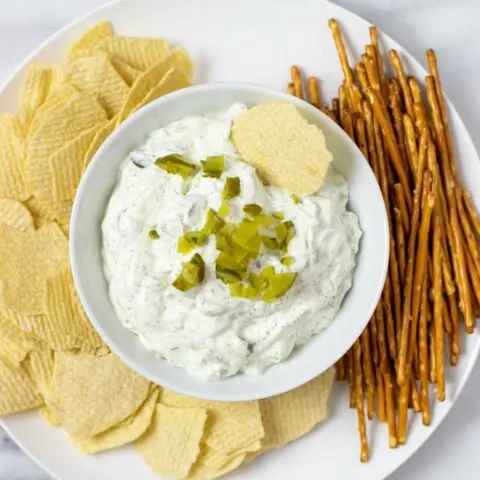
{"x": 286, "y": 151}
{"x": 81, "y": 113}
{"x": 139, "y": 53}
{"x": 97, "y": 75}
{"x": 12, "y": 152}
{"x": 125, "y": 432}
{"x": 15, "y": 344}
{"x": 99, "y": 138}
{"x": 86, "y": 44}
{"x": 148, "y": 80}
{"x": 33, "y": 92}
{"x": 201, "y": 470}
{"x": 92, "y": 394}
{"x": 291, "y": 415}
{"x": 172, "y": 81}
{"x": 172, "y": 443}
{"x": 183, "y": 60}
{"x": 15, "y": 215}
{"x": 64, "y": 325}
{"x": 231, "y": 426}
{"x": 49, "y": 416}
{"x": 26, "y": 260}
{"x": 56, "y": 100}
{"x": 66, "y": 165}
{"x": 39, "y": 366}
{"x": 17, "y": 391}
{"x": 127, "y": 72}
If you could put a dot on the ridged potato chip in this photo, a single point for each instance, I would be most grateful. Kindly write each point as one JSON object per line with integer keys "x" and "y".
{"x": 86, "y": 44}
{"x": 174, "y": 79}
{"x": 92, "y": 394}
{"x": 125, "y": 432}
{"x": 96, "y": 75}
{"x": 16, "y": 344}
{"x": 39, "y": 366}
{"x": 148, "y": 80}
{"x": 17, "y": 391}
{"x": 172, "y": 443}
{"x": 291, "y": 415}
{"x": 12, "y": 153}
{"x": 15, "y": 215}
{"x": 66, "y": 165}
{"x": 202, "y": 471}
{"x": 284, "y": 148}
{"x": 97, "y": 141}
{"x": 81, "y": 113}
{"x": 26, "y": 260}
{"x": 126, "y": 71}
{"x": 33, "y": 92}
{"x": 140, "y": 53}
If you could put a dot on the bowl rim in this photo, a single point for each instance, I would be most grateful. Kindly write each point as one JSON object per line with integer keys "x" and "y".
{"x": 115, "y": 347}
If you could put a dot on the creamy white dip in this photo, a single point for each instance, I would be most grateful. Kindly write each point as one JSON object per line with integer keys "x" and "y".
{"x": 204, "y": 330}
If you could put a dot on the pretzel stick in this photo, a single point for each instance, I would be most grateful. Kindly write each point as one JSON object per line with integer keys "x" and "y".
{"x": 437, "y": 311}
{"x": 401, "y": 249}
{"x": 383, "y": 119}
{"x": 372, "y": 325}
{"x": 341, "y": 370}
{"x": 362, "y": 75}
{"x": 403, "y": 411}
{"x": 357, "y": 366}
{"x": 351, "y": 377}
{"x": 447, "y": 322}
{"x": 411, "y": 255}
{"x": 416, "y": 402}
{"x": 390, "y": 407}
{"x": 342, "y": 54}
{"x": 432, "y": 361}
{"x": 336, "y": 108}
{"x": 399, "y": 70}
{"x": 460, "y": 267}
{"x": 472, "y": 242}
{"x": 361, "y": 137}
{"x": 448, "y": 282}
{"x": 379, "y": 59}
{"x": 472, "y": 213}
{"x": 368, "y": 373}
{"x": 372, "y": 72}
{"x": 380, "y": 396}
{"x": 297, "y": 81}
{"x": 419, "y": 111}
{"x": 454, "y": 312}
{"x": 402, "y": 206}
{"x": 342, "y": 102}
{"x": 411, "y": 142}
{"x": 423, "y": 349}
{"x": 291, "y": 89}
{"x": 396, "y": 112}
{"x": 474, "y": 277}
{"x": 348, "y": 124}
{"x": 313, "y": 91}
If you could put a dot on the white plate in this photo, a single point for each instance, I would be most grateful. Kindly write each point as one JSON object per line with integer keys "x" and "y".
{"x": 252, "y": 41}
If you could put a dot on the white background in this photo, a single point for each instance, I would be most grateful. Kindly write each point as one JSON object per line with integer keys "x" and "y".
{"x": 451, "y": 26}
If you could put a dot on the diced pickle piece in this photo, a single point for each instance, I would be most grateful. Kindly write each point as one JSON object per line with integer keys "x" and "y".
{"x": 224, "y": 209}
{"x": 227, "y": 275}
{"x": 252, "y": 209}
{"x": 278, "y": 285}
{"x": 213, "y": 166}
{"x": 192, "y": 274}
{"x": 153, "y": 234}
{"x": 278, "y": 215}
{"x": 176, "y": 164}
{"x": 285, "y": 232}
{"x": 270, "y": 242}
{"x": 295, "y": 198}
{"x": 287, "y": 261}
{"x": 213, "y": 223}
{"x": 231, "y": 188}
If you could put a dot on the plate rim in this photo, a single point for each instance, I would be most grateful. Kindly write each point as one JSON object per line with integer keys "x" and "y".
{"x": 475, "y": 353}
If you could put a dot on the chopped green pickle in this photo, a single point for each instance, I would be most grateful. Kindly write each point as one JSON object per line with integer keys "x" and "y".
{"x": 264, "y": 220}
{"x": 176, "y": 164}
{"x": 213, "y": 223}
{"x": 252, "y": 209}
{"x": 192, "y": 274}
{"x": 270, "y": 242}
{"x": 278, "y": 215}
{"x": 241, "y": 290}
{"x": 231, "y": 188}
{"x": 224, "y": 209}
{"x": 138, "y": 165}
{"x": 227, "y": 275}
{"x": 296, "y": 199}
{"x": 285, "y": 232}
{"x": 278, "y": 285}
{"x": 287, "y": 261}
{"x": 213, "y": 166}
{"x": 153, "y": 234}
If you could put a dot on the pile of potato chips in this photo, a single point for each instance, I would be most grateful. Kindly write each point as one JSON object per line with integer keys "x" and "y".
{"x": 50, "y": 356}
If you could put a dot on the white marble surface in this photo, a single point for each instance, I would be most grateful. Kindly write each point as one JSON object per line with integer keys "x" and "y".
{"x": 450, "y": 26}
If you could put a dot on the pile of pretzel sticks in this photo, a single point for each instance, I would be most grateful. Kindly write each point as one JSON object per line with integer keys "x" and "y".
{"x": 433, "y": 280}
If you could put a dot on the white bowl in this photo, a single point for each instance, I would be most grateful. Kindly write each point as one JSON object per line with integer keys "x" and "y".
{"x": 322, "y": 350}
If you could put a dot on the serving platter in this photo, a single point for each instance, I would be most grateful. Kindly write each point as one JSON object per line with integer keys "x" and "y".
{"x": 252, "y": 41}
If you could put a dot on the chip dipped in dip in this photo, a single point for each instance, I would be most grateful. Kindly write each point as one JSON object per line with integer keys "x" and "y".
{"x": 214, "y": 271}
